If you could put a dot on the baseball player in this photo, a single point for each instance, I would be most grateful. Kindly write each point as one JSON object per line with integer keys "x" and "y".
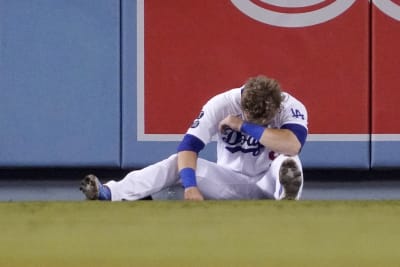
{"x": 260, "y": 131}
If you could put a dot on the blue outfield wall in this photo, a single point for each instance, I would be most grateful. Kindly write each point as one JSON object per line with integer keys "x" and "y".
{"x": 385, "y": 154}
{"x": 59, "y": 83}
{"x": 68, "y": 92}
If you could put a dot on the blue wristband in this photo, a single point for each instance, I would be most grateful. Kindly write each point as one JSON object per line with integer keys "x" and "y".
{"x": 252, "y": 129}
{"x": 188, "y": 177}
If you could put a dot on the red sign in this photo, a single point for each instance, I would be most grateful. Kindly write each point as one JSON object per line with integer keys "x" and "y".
{"x": 385, "y": 67}
{"x": 195, "y": 49}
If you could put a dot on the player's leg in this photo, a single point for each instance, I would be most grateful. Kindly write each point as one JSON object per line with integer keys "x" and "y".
{"x": 214, "y": 181}
{"x": 217, "y": 182}
{"x": 137, "y": 184}
{"x": 284, "y": 179}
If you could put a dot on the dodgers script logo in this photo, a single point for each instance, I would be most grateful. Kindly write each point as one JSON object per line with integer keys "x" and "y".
{"x": 236, "y": 141}
{"x": 262, "y": 11}
{"x": 389, "y": 8}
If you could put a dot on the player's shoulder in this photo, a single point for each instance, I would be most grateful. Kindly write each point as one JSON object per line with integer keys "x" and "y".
{"x": 230, "y": 95}
{"x": 292, "y": 111}
{"x": 233, "y": 93}
{"x": 290, "y": 100}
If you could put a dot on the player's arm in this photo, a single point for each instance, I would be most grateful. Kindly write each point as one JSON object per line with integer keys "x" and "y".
{"x": 287, "y": 140}
{"x": 187, "y": 168}
{"x": 282, "y": 141}
{"x": 198, "y": 135}
{"x": 187, "y": 162}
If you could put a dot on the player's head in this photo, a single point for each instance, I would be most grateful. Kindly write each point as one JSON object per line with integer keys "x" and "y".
{"x": 261, "y": 99}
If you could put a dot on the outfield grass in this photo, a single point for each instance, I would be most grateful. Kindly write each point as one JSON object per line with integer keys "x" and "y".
{"x": 211, "y": 233}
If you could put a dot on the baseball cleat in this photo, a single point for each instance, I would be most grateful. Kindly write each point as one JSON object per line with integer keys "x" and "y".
{"x": 291, "y": 180}
{"x": 90, "y": 187}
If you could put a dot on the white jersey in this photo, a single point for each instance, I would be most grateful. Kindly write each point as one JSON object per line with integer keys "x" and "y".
{"x": 235, "y": 150}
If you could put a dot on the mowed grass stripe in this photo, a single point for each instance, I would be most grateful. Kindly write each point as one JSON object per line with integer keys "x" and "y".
{"x": 210, "y": 233}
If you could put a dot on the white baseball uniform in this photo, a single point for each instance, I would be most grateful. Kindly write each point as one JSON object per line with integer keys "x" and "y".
{"x": 245, "y": 169}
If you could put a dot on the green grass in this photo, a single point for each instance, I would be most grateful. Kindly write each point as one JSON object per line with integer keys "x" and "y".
{"x": 211, "y": 233}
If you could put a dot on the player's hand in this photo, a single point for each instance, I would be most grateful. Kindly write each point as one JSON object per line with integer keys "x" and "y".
{"x": 193, "y": 193}
{"x": 231, "y": 121}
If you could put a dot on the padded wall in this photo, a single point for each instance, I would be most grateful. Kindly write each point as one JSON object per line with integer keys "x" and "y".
{"x": 66, "y": 101}
{"x": 385, "y": 84}
{"x": 59, "y": 83}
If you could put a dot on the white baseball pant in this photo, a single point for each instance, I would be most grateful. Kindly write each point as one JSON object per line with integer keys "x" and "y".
{"x": 214, "y": 181}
